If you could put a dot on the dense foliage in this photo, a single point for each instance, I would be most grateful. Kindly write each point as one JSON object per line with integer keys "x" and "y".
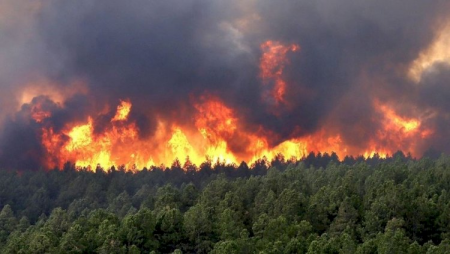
{"x": 317, "y": 205}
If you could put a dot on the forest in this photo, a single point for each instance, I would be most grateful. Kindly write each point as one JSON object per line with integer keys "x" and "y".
{"x": 315, "y": 205}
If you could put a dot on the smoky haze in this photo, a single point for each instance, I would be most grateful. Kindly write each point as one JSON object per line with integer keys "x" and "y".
{"x": 165, "y": 55}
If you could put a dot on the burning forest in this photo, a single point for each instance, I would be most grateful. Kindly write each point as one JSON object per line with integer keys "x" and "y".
{"x": 141, "y": 85}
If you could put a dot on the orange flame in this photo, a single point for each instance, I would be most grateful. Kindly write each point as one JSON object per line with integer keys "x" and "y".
{"x": 272, "y": 64}
{"x": 219, "y": 135}
{"x": 217, "y": 132}
{"x": 396, "y": 133}
{"x": 217, "y": 126}
{"x": 123, "y": 110}
{"x": 398, "y": 123}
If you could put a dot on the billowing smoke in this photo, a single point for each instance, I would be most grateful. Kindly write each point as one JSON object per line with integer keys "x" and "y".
{"x": 349, "y": 69}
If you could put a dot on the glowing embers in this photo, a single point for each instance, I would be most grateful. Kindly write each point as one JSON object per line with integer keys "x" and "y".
{"x": 272, "y": 64}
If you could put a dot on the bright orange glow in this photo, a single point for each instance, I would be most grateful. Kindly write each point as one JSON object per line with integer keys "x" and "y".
{"x": 399, "y": 123}
{"x": 272, "y": 64}
{"x": 80, "y": 137}
{"x": 122, "y": 111}
{"x": 215, "y": 120}
{"x": 396, "y": 133}
{"x": 301, "y": 147}
{"x": 371, "y": 154}
{"x": 180, "y": 147}
{"x": 114, "y": 147}
{"x": 215, "y": 131}
{"x": 217, "y": 127}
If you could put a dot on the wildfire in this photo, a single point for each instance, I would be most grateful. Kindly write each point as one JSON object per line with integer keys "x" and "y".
{"x": 216, "y": 127}
{"x": 399, "y": 123}
{"x": 80, "y": 137}
{"x": 272, "y": 64}
{"x": 87, "y": 149}
{"x": 214, "y": 120}
{"x": 122, "y": 111}
{"x": 180, "y": 146}
{"x": 217, "y": 132}
{"x": 396, "y": 133}
{"x": 404, "y": 127}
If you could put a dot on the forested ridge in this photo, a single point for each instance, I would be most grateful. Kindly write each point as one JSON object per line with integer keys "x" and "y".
{"x": 316, "y": 205}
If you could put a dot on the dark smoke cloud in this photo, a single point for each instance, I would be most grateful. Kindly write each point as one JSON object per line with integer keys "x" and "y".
{"x": 14, "y": 48}
{"x": 163, "y": 55}
{"x": 432, "y": 94}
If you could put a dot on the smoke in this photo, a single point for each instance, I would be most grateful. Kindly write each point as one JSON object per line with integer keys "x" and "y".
{"x": 165, "y": 55}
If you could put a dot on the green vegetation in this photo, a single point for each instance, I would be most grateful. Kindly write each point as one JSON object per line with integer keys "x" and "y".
{"x": 397, "y": 205}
